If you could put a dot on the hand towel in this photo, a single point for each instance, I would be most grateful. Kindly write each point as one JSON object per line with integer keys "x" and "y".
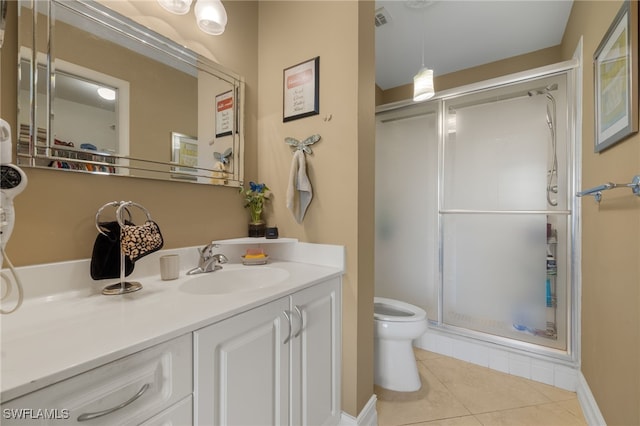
{"x": 299, "y": 192}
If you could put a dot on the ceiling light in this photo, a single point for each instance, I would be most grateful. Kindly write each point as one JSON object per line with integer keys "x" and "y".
{"x": 423, "y": 81}
{"x": 107, "y": 93}
{"x": 210, "y": 14}
{"x": 423, "y": 85}
{"x": 179, "y": 7}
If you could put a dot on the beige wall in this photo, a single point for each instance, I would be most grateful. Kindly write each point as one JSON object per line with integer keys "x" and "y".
{"x": 610, "y": 244}
{"x": 341, "y": 167}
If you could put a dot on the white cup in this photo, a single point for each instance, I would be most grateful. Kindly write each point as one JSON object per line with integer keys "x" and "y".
{"x": 169, "y": 267}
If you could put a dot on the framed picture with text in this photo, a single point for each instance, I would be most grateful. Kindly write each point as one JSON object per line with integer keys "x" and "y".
{"x": 301, "y": 87}
{"x": 615, "y": 71}
{"x": 224, "y": 114}
{"x": 184, "y": 154}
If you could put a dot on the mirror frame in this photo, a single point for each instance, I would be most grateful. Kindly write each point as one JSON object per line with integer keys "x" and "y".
{"x": 108, "y": 20}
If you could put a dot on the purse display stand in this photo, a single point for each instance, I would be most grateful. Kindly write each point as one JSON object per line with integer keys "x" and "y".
{"x": 135, "y": 243}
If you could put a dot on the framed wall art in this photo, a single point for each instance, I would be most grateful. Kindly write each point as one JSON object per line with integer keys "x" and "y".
{"x": 301, "y": 86}
{"x": 224, "y": 114}
{"x": 184, "y": 153}
{"x": 615, "y": 63}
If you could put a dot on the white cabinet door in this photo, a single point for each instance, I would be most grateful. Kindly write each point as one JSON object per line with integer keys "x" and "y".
{"x": 242, "y": 368}
{"x": 316, "y": 355}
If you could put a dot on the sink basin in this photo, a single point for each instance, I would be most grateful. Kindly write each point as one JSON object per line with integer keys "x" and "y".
{"x": 225, "y": 281}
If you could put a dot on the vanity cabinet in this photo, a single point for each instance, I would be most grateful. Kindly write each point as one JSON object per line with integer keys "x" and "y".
{"x": 276, "y": 364}
{"x": 153, "y": 384}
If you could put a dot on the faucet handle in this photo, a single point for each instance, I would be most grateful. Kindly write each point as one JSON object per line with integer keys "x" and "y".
{"x": 207, "y": 251}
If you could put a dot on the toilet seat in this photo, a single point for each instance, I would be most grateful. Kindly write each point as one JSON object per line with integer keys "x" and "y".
{"x": 392, "y": 310}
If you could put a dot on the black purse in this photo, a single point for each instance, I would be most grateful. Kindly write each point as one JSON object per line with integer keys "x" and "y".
{"x": 105, "y": 258}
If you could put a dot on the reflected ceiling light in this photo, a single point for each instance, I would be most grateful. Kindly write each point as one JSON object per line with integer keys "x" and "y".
{"x": 179, "y": 7}
{"x": 423, "y": 81}
{"x": 107, "y": 93}
{"x": 211, "y": 16}
{"x": 452, "y": 122}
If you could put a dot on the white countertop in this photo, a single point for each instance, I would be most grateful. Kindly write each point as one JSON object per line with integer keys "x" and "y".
{"x": 54, "y": 337}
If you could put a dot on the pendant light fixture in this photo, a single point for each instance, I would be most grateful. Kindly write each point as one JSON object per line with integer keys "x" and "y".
{"x": 178, "y": 7}
{"x": 423, "y": 81}
{"x": 211, "y": 16}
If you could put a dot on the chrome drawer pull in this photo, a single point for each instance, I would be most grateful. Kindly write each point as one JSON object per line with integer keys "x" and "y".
{"x": 91, "y": 416}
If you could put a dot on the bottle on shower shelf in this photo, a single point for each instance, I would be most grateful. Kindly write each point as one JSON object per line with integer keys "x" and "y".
{"x": 552, "y": 267}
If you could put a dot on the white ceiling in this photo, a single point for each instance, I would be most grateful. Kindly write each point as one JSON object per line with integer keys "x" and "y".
{"x": 460, "y": 34}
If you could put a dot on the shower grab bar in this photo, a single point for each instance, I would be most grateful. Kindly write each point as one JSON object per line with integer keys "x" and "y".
{"x": 597, "y": 191}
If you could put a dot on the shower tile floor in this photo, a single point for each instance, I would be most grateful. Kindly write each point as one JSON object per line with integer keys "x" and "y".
{"x": 457, "y": 393}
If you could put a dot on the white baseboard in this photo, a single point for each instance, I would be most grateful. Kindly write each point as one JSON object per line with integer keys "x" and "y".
{"x": 367, "y": 417}
{"x": 590, "y": 409}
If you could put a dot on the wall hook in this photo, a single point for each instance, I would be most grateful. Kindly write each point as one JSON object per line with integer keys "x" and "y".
{"x": 304, "y": 145}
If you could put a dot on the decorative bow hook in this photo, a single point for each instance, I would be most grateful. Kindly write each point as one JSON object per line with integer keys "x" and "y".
{"x": 304, "y": 145}
{"x": 224, "y": 157}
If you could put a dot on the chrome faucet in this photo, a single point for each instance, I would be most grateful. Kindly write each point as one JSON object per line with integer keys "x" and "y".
{"x": 208, "y": 262}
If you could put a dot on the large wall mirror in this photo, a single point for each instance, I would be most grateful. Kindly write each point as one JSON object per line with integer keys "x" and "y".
{"x": 100, "y": 93}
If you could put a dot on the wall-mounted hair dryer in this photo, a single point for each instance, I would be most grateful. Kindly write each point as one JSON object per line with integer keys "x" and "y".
{"x": 12, "y": 182}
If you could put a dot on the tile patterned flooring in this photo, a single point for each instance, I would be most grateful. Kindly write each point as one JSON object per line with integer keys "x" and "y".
{"x": 457, "y": 393}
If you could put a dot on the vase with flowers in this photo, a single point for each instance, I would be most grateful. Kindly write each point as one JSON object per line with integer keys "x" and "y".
{"x": 255, "y": 197}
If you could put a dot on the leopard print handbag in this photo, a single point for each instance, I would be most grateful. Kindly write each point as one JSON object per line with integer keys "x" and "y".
{"x": 137, "y": 241}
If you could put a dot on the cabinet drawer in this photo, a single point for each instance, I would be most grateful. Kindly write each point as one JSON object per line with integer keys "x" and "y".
{"x": 180, "y": 414}
{"x": 127, "y": 391}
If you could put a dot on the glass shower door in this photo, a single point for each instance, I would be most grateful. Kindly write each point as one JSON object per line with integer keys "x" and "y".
{"x": 503, "y": 212}
{"x": 406, "y": 266}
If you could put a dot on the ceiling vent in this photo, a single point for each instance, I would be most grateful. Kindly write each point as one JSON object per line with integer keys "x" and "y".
{"x": 382, "y": 17}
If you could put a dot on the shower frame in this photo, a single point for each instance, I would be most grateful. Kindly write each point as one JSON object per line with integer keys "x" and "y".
{"x": 570, "y": 68}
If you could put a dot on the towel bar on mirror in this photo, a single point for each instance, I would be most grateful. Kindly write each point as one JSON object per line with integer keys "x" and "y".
{"x": 597, "y": 190}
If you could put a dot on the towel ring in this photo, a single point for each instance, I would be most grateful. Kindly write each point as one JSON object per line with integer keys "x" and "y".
{"x": 124, "y": 206}
{"x": 110, "y": 204}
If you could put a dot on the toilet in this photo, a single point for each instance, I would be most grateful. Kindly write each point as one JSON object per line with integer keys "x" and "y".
{"x": 396, "y": 325}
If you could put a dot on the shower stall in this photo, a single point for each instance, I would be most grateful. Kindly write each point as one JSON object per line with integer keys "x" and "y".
{"x": 475, "y": 219}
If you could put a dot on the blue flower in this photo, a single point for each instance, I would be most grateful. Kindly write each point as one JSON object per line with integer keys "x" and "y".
{"x": 255, "y": 197}
{"x": 257, "y": 187}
